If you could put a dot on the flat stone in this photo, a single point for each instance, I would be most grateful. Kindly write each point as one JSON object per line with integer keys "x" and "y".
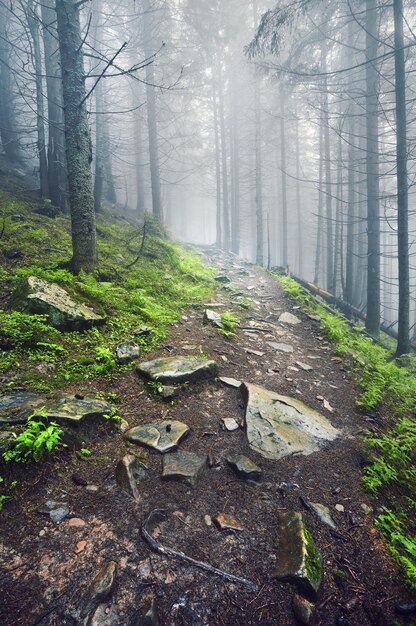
{"x": 298, "y": 560}
{"x": 230, "y": 424}
{"x": 224, "y": 521}
{"x": 289, "y": 318}
{"x": 161, "y": 436}
{"x": 17, "y": 406}
{"x": 230, "y": 382}
{"x": 278, "y": 426}
{"x": 76, "y": 522}
{"x": 127, "y": 471}
{"x": 280, "y": 347}
{"x": 323, "y": 514}
{"x": 178, "y": 369}
{"x": 168, "y": 392}
{"x": 302, "y": 609}
{"x": 127, "y": 351}
{"x": 244, "y": 467}
{"x": 213, "y": 318}
{"x": 59, "y": 514}
{"x": 38, "y": 296}
{"x": 71, "y": 410}
{"x": 222, "y": 279}
{"x": 304, "y": 366}
{"x": 183, "y": 466}
{"x": 99, "y": 589}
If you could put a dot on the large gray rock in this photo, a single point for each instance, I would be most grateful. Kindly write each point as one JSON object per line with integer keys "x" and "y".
{"x": 213, "y": 318}
{"x": 289, "y": 318}
{"x": 127, "y": 351}
{"x": 70, "y": 410}
{"x": 183, "y": 466}
{"x": 35, "y": 295}
{"x": 161, "y": 436}
{"x": 298, "y": 560}
{"x": 278, "y": 426}
{"x": 244, "y": 467}
{"x": 178, "y": 369}
{"x": 17, "y": 406}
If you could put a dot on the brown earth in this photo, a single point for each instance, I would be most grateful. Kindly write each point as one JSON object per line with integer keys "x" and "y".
{"x": 45, "y": 570}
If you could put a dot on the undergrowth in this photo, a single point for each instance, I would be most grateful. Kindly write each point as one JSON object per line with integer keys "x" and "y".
{"x": 389, "y": 386}
{"x": 138, "y": 282}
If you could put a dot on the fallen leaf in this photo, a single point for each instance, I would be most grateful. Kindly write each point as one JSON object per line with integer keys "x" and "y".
{"x": 80, "y": 547}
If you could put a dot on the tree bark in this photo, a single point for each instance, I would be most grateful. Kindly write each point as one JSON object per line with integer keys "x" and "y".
{"x": 403, "y": 341}
{"x": 57, "y": 174}
{"x": 224, "y": 159}
{"x": 328, "y": 181}
{"x": 283, "y": 177}
{"x": 372, "y": 323}
{"x": 218, "y": 240}
{"x": 148, "y": 22}
{"x": 8, "y": 125}
{"x": 33, "y": 24}
{"x": 78, "y": 143}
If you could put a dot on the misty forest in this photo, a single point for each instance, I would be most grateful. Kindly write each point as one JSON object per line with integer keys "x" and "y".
{"x": 208, "y": 312}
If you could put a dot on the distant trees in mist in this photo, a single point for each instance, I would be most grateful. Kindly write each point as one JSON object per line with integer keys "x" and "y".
{"x": 285, "y": 134}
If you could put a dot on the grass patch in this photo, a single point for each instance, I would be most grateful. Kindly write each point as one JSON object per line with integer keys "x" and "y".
{"x": 229, "y": 323}
{"x": 388, "y": 387}
{"x": 151, "y": 288}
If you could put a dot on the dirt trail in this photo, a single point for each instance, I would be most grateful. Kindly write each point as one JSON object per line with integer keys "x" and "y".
{"x": 46, "y": 567}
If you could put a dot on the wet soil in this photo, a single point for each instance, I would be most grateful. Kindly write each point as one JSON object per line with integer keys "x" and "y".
{"x": 45, "y": 570}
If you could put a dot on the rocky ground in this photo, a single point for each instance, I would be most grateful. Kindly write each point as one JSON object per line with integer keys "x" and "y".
{"x": 81, "y": 542}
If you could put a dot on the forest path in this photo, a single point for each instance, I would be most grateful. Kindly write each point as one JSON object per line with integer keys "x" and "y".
{"x": 47, "y": 567}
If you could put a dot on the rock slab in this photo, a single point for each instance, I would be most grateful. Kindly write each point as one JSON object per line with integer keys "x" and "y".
{"x": 213, "y": 318}
{"x": 17, "y": 406}
{"x": 178, "y": 369}
{"x": 71, "y": 410}
{"x": 127, "y": 472}
{"x": 278, "y": 426}
{"x": 289, "y": 318}
{"x": 244, "y": 467}
{"x": 38, "y": 296}
{"x": 298, "y": 560}
{"x": 161, "y": 436}
{"x": 183, "y": 466}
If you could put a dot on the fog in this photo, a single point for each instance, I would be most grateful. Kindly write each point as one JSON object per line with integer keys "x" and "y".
{"x": 279, "y": 133}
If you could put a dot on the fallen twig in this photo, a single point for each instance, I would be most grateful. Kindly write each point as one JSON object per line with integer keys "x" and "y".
{"x": 157, "y": 547}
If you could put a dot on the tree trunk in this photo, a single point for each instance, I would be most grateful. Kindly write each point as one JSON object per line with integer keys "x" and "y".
{"x": 225, "y": 192}
{"x": 78, "y": 143}
{"x": 372, "y": 323}
{"x": 148, "y": 22}
{"x": 138, "y": 149}
{"x": 57, "y": 174}
{"x": 318, "y": 250}
{"x": 298, "y": 205}
{"x": 218, "y": 240}
{"x": 403, "y": 341}
{"x": 8, "y": 125}
{"x": 328, "y": 181}
{"x": 33, "y": 24}
{"x": 259, "y": 176}
{"x": 283, "y": 177}
{"x": 235, "y": 169}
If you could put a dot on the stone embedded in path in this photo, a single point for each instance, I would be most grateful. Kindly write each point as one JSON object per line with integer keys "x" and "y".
{"x": 213, "y": 318}
{"x": 99, "y": 589}
{"x": 222, "y": 279}
{"x": 298, "y": 560}
{"x": 278, "y": 426}
{"x": 224, "y": 521}
{"x": 178, "y": 369}
{"x": 230, "y": 424}
{"x": 71, "y": 410}
{"x": 17, "y": 406}
{"x": 289, "y": 318}
{"x": 183, "y": 466}
{"x": 38, "y": 296}
{"x": 323, "y": 513}
{"x": 304, "y": 366}
{"x": 280, "y": 347}
{"x": 161, "y": 436}
{"x": 127, "y": 351}
{"x": 230, "y": 382}
{"x": 244, "y": 467}
{"x": 127, "y": 471}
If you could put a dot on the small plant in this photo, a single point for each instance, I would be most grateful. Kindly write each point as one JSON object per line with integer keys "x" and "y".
{"x": 23, "y": 330}
{"x": 35, "y": 440}
{"x": 155, "y": 387}
{"x": 85, "y": 452}
{"x": 229, "y": 323}
{"x": 6, "y": 496}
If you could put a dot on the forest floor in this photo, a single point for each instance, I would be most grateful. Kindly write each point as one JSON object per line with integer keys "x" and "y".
{"x": 47, "y": 567}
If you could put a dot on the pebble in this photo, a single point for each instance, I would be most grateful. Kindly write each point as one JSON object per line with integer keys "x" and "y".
{"x": 366, "y": 509}
{"x": 42, "y": 533}
{"x": 76, "y": 522}
{"x": 92, "y": 488}
{"x": 230, "y": 424}
{"x": 57, "y": 515}
{"x": 208, "y": 520}
{"x": 80, "y": 547}
{"x": 340, "y": 508}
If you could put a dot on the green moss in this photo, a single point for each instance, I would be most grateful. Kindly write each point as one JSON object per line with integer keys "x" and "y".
{"x": 153, "y": 291}
{"x": 313, "y": 560}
